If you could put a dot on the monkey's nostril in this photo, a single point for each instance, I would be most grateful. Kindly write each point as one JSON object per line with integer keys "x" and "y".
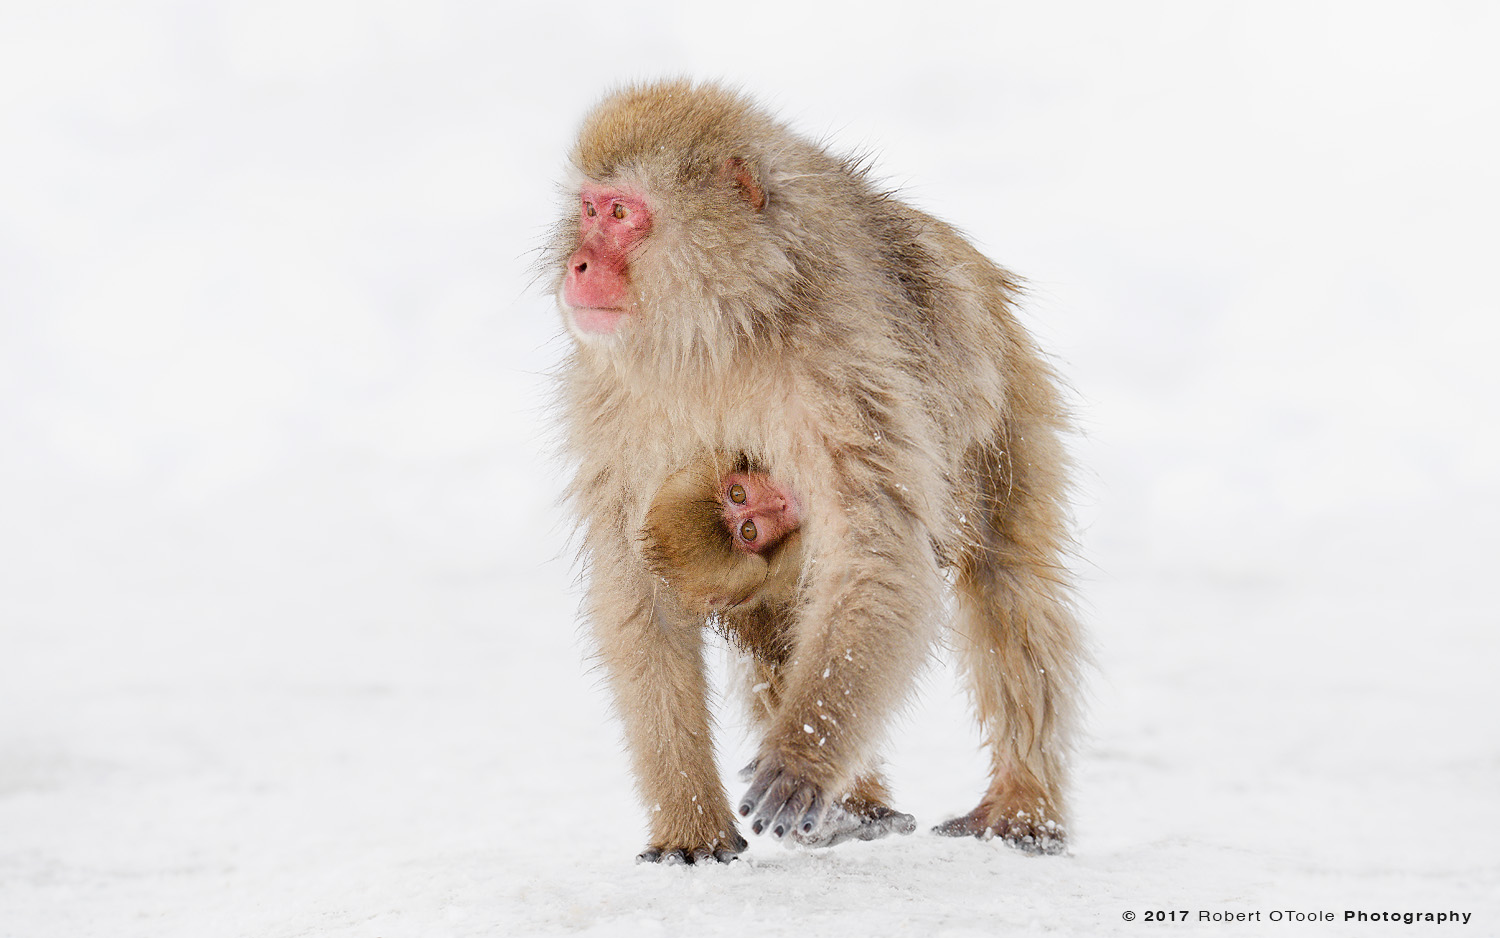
{"x": 583, "y": 266}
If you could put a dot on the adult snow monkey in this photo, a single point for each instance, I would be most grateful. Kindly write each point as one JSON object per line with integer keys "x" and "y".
{"x": 734, "y": 289}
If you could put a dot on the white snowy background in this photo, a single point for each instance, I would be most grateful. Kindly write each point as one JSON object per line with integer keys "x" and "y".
{"x": 288, "y": 632}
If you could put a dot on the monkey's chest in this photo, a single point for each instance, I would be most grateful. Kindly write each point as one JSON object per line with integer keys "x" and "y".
{"x": 679, "y": 421}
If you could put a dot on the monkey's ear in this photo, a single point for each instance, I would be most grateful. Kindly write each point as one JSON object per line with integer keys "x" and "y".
{"x": 740, "y": 174}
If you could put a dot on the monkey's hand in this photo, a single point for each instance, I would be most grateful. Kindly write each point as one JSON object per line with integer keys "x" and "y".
{"x": 868, "y": 822}
{"x": 853, "y": 818}
{"x": 692, "y": 856}
{"x": 784, "y": 801}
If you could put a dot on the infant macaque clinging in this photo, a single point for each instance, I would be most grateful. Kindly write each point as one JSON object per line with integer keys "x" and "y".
{"x": 750, "y": 310}
{"x": 724, "y": 538}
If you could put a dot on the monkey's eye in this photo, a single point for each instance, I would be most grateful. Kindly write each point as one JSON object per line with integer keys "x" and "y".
{"x": 589, "y": 210}
{"x": 748, "y": 532}
{"x": 620, "y": 210}
{"x": 737, "y": 494}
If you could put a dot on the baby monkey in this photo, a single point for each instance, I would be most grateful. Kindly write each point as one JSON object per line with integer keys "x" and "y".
{"x": 724, "y": 537}
{"x": 727, "y": 540}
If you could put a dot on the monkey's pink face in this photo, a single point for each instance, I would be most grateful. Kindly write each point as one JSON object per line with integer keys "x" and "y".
{"x": 758, "y": 513}
{"x": 596, "y": 296}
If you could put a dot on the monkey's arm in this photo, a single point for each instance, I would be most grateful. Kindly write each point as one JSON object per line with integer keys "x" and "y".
{"x": 653, "y": 655}
{"x": 865, "y": 630}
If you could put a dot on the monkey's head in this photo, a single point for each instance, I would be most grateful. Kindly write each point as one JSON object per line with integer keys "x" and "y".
{"x": 723, "y": 539}
{"x": 757, "y": 513}
{"x": 674, "y": 244}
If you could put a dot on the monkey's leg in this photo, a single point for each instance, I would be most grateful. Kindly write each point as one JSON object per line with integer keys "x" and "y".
{"x": 653, "y": 655}
{"x": 1019, "y": 644}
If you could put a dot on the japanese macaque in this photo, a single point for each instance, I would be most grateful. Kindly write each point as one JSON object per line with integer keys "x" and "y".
{"x": 734, "y": 289}
{"x": 724, "y": 538}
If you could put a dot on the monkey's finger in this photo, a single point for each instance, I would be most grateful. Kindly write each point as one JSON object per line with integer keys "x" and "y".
{"x": 730, "y": 852}
{"x": 834, "y": 827}
{"x": 701, "y": 855}
{"x": 793, "y": 811}
{"x": 891, "y": 820}
{"x": 782, "y": 786}
{"x": 1037, "y": 843}
{"x": 666, "y": 857}
{"x": 886, "y": 821}
{"x": 757, "y": 791}
{"x": 813, "y": 818}
{"x": 965, "y": 825}
{"x": 901, "y": 823}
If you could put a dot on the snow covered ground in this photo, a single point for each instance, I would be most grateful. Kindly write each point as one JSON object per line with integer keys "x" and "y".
{"x": 288, "y": 642}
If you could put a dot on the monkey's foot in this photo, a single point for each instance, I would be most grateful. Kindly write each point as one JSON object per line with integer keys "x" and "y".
{"x": 856, "y": 820}
{"x": 1028, "y": 834}
{"x": 692, "y": 856}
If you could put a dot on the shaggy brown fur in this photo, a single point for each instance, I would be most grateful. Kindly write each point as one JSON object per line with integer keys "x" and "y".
{"x": 786, "y": 309}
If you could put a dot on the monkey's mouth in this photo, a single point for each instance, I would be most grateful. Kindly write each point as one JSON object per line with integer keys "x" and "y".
{"x": 595, "y": 321}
